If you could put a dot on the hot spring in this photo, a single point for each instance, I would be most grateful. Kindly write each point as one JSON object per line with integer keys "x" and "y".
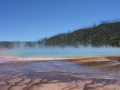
{"x": 59, "y": 52}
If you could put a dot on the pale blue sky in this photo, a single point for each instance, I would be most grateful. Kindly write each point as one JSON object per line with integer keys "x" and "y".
{"x": 35, "y": 19}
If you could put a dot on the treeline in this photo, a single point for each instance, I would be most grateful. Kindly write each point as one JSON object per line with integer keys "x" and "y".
{"x": 12, "y": 44}
{"x": 107, "y": 33}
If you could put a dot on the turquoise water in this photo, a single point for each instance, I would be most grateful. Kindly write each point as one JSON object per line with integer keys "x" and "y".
{"x": 59, "y": 52}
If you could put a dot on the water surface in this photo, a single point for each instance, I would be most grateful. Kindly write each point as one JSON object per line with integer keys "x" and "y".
{"x": 60, "y": 52}
{"x": 56, "y": 75}
{"x": 66, "y": 67}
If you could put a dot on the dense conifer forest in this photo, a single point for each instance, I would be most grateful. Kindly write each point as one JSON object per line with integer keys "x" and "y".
{"x": 104, "y": 34}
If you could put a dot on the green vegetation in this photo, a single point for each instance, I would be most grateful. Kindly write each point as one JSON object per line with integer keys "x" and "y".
{"x": 9, "y": 45}
{"x": 105, "y": 34}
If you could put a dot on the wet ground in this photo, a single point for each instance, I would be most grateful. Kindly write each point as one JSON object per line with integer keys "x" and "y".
{"x": 60, "y": 75}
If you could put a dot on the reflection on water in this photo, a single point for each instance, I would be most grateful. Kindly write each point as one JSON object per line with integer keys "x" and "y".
{"x": 89, "y": 70}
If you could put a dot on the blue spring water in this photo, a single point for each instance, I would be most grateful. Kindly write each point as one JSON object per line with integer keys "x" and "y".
{"x": 60, "y": 52}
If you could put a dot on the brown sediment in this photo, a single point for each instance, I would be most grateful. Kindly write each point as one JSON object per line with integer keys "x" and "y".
{"x": 22, "y": 80}
{"x": 91, "y": 59}
{"x": 82, "y": 59}
{"x": 106, "y": 63}
{"x": 61, "y": 82}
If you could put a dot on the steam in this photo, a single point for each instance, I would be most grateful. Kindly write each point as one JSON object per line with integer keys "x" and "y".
{"x": 42, "y": 51}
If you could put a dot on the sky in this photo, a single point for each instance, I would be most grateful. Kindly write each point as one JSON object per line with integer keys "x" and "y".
{"x": 30, "y": 20}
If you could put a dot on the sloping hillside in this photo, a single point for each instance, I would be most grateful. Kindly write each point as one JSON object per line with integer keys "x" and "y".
{"x": 107, "y": 34}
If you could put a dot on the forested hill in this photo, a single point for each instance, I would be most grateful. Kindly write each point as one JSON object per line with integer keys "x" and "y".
{"x": 104, "y": 34}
